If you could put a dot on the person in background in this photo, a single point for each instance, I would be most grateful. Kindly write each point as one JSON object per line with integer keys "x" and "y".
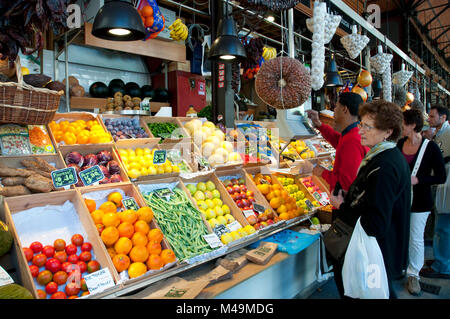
{"x": 345, "y": 139}
{"x": 381, "y": 192}
{"x": 431, "y": 172}
{"x": 440, "y": 267}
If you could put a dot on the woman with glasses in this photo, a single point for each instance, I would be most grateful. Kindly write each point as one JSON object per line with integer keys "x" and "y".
{"x": 381, "y": 192}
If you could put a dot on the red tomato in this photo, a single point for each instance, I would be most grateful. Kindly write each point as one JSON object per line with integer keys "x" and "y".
{"x": 36, "y": 247}
{"x": 58, "y": 295}
{"x": 60, "y": 277}
{"x": 73, "y": 297}
{"x": 39, "y": 260}
{"x": 83, "y": 285}
{"x": 93, "y": 266}
{"x": 73, "y": 259}
{"x": 77, "y": 240}
{"x": 44, "y": 277}
{"x": 41, "y": 294}
{"x": 72, "y": 289}
{"x": 71, "y": 249}
{"x": 59, "y": 244}
{"x": 67, "y": 267}
{"x": 86, "y": 247}
{"x": 48, "y": 251}
{"x": 53, "y": 265}
{"x": 34, "y": 270}
{"x": 61, "y": 256}
{"x": 85, "y": 256}
{"x": 28, "y": 253}
{"x": 82, "y": 266}
{"x": 51, "y": 287}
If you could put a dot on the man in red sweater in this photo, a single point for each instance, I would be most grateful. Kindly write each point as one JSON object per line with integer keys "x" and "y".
{"x": 346, "y": 140}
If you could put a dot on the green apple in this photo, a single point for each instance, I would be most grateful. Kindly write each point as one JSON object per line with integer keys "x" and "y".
{"x": 213, "y": 222}
{"x": 226, "y": 238}
{"x": 242, "y": 232}
{"x": 235, "y": 235}
{"x": 208, "y": 195}
{"x": 218, "y": 210}
{"x": 210, "y": 186}
{"x": 226, "y": 209}
{"x": 315, "y": 221}
{"x": 210, "y": 213}
{"x": 210, "y": 203}
{"x": 229, "y": 218}
{"x": 217, "y": 202}
{"x": 201, "y": 186}
{"x": 202, "y": 205}
{"x": 221, "y": 220}
{"x": 192, "y": 189}
{"x": 199, "y": 196}
{"x": 250, "y": 229}
{"x": 216, "y": 194}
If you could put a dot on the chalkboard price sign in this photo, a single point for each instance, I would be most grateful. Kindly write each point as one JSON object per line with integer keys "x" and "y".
{"x": 130, "y": 203}
{"x": 164, "y": 193}
{"x": 159, "y": 157}
{"x": 91, "y": 175}
{"x": 64, "y": 177}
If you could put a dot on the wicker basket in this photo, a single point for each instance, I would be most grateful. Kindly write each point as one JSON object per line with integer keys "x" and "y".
{"x": 21, "y": 103}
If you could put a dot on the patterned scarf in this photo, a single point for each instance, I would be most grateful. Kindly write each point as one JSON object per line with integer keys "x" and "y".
{"x": 374, "y": 151}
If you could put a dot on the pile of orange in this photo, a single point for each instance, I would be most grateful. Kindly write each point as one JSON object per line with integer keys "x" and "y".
{"x": 278, "y": 198}
{"x": 147, "y": 16}
{"x": 79, "y": 132}
{"x": 130, "y": 242}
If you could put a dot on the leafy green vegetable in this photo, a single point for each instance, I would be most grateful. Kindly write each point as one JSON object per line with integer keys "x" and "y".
{"x": 164, "y": 130}
{"x": 206, "y": 112}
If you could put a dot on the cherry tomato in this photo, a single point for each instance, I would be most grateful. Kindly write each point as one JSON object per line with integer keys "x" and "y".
{"x": 59, "y": 244}
{"x": 48, "y": 251}
{"x": 73, "y": 259}
{"x": 53, "y": 265}
{"x": 71, "y": 249}
{"x": 41, "y": 294}
{"x": 72, "y": 289}
{"x": 85, "y": 256}
{"x": 60, "y": 277}
{"x": 61, "y": 256}
{"x": 93, "y": 266}
{"x": 51, "y": 287}
{"x": 77, "y": 240}
{"x": 36, "y": 247}
{"x": 44, "y": 277}
{"x": 82, "y": 266}
{"x": 34, "y": 270}
{"x": 58, "y": 295}
{"x": 28, "y": 253}
{"x": 39, "y": 260}
{"x": 86, "y": 247}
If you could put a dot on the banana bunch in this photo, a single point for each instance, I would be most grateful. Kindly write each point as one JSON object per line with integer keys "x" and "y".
{"x": 178, "y": 30}
{"x": 269, "y": 53}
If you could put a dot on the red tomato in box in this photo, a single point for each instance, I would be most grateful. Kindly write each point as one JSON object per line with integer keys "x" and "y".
{"x": 44, "y": 277}
{"x": 60, "y": 277}
{"x": 28, "y": 253}
{"x": 73, "y": 258}
{"x": 93, "y": 266}
{"x": 85, "y": 256}
{"x": 67, "y": 267}
{"x": 58, "y": 295}
{"x": 82, "y": 266}
{"x": 41, "y": 294}
{"x": 71, "y": 249}
{"x": 51, "y": 287}
{"x": 59, "y": 244}
{"x": 53, "y": 265}
{"x": 77, "y": 240}
{"x": 48, "y": 251}
{"x": 61, "y": 255}
{"x": 36, "y": 247}
{"x": 86, "y": 247}
{"x": 34, "y": 270}
{"x": 72, "y": 289}
{"x": 39, "y": 260}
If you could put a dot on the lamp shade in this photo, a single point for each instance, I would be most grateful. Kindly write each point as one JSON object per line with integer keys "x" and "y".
{"x": 118, "y": 20}
{"x": 227, "y": 45}
{"x": 332, "y": 77}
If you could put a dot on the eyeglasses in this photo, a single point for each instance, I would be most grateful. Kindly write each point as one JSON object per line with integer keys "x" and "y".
{"x": 365, "y": 127}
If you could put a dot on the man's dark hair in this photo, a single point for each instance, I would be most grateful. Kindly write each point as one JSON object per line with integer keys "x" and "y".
{"x": 414, "y": 116}
{"x": 442, "y": 110}
{"x": 352, "y": 101}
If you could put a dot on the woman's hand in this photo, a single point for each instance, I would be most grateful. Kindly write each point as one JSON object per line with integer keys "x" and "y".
{"x": 414, "y": 180}
{"x": 336, "y": 201}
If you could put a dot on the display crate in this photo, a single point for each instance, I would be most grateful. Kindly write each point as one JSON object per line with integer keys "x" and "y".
{"x": 143, "y": 125}
{"x": 187, "y": 151}
{"x": 156, "y": 119}
{"x": 318, "y": 182}
{"x": 129, "y": 190}
{"x": 46, "y": 233}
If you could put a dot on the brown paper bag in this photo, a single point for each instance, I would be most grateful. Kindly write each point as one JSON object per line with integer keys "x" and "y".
{"x": 262, "y": 254}
{"x": 234, "y": 261}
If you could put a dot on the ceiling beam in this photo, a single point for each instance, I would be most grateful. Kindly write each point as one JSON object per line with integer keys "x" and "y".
{"x": 441, "y": 34}
{"x": 439, "y": 27}
{"x": 431, "y": 8}
{"x": 418, "y": 3}
{"x": 437, "y": 15}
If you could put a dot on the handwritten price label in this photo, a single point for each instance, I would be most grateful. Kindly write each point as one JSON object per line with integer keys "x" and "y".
{"x": 64, "y": 177}
{"x": 91, "y": 175}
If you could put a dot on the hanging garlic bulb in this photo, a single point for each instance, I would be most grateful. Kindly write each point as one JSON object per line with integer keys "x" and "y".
{"x": 331, "y": 24}
{"x": 354, "y": 43}
{"x": 387, "y": 84}
{"x": 402, "y": 77}
{"x": 380, "y": 61}
{"x": 318, "y": 46}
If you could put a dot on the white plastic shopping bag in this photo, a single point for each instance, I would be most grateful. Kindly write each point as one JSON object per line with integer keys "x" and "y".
{"x": 443, "y": 194}
{"x": 364, "y": 274}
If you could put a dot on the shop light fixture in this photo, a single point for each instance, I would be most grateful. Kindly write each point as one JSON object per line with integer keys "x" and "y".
{"x": 270, "y": 16}
{"x": 118, "y": 20}
{"x": 332, "y": 77}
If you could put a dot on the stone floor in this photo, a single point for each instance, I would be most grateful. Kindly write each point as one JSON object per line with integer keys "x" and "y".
{"x": 329, "y": 291}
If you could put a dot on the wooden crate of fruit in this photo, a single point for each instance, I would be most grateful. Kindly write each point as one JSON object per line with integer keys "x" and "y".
{"x": 84, "y": 156}
{"x": 123, "y": 127}
{"x": 212, "y": 199}
{"x": 242, "y": 190}
{"x": 181, "y": 222}
{"x": 82, "y": 128}
{"x": 316, "y": 188}
{"x": 128, "y": 230}
{"x": 137, "y": 159}
{"x": 169, "y": 129}
{"x": 18, "y": 174}
{"x": 44, "y": 228}
{"x": 182, "y": 154}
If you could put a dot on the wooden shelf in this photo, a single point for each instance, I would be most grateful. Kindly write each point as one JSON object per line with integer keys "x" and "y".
{"x": 90, "y": 103}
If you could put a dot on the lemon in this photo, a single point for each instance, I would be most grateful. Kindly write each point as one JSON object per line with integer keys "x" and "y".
{"x": 168, "y": 169}
{"x": 143, "y": 162}
{"x": 135, "y": 165}
{"x": 139, "y": 151}
{"x": 152, "y": 170}
{"x": 130, "y": 151}
{"x": 175, "y": 169}
{"x": 134, "y": 173}
{"x": 160, "y": 170}
{"x": 123, "y": 152}
{"x": 148, "y": 158}
{"x": 144, "y": 171}
{"x": 147, "y": 151}
{"x": 132, "y": 158}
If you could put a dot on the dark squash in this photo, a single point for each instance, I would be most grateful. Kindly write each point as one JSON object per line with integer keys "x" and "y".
{"x": 99, "y": 90}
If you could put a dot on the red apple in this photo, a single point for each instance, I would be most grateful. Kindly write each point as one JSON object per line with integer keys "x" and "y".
{"x": 230, "y": 190}
{"x": 252, "y": 219}
{"x": 270, "y": 222}
{"x": 264, "y": 224}
{"x": 250, "y": 194}
{"x": 243, "y": 188}
{"x": 257, "y": 226}
{"x": 236, "y": 189}
{"x": 240, "y": 203}
{"x": 251, "y": 199}
{"x": 246, "y": 202}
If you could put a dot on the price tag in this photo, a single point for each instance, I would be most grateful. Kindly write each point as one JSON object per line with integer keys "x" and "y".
{"x": 99, "y": 281}
{"x": 213, "y": 241}
{"x": 263, "y": 181}
{"x": 249, "y": 213}
{"x": 325, "y": 199}
{"x": 145, "y": 104}
{"x": 219, "y": 230}
{"x": 91, "y": 175}
{"x": 234, "y": 225}
{"x": 159, "y": 157}
{"x": 64, "y": 177}
{"x": 259, "y": 208}
{"x": 309, "y": 204}
{"x": 5, "y": 278}
{"x": 317, "y": 196}
{"x": 164, "y": 193}
{"x": 130, "y": 203}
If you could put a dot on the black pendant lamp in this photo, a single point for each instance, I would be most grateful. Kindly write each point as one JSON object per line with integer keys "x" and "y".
{"x": 332, "y": 77}
{"x": 227, "y": 46}
{"x": 118, "y": 20}
{"x": 377, "y": 87}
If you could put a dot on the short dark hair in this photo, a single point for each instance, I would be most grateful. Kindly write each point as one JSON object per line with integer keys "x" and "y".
{"x": 387, "y": 115}
{"x": 414, "y": 116}
{"x": 352, "y": 101}
{"x": 442, "y": 110}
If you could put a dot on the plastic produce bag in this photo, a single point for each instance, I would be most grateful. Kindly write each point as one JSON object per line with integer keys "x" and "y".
{"x": 364, "y": 274}
{"x": 443, "y": 194}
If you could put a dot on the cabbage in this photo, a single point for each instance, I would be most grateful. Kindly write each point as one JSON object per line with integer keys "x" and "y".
{"x": 74, "y": 158}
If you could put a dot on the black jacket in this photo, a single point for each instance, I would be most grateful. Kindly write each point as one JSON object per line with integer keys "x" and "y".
{"x": 432, "y": 161}
{"x": 381, "y": 196}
